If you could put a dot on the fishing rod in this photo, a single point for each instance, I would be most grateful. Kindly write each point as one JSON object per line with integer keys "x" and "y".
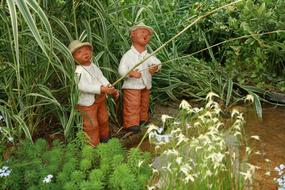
{"x": 174, "y": 37}
{"x": 217, "y": 44}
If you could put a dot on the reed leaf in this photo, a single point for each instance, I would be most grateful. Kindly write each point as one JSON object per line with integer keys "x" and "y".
{"x": 23, "y": 8}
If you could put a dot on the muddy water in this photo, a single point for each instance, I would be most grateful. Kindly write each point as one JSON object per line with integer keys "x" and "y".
{"x": 271, "y": 147}
{"x": 267, "y": 153}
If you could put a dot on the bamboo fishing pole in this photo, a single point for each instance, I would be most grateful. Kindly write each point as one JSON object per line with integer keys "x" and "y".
{"x": 174, "y": 37}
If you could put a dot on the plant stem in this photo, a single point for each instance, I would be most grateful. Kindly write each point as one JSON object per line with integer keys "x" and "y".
{"x": 74, "y": 19}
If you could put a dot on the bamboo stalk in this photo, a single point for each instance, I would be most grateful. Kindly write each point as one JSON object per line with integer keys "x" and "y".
{"x": 174, "y": 37}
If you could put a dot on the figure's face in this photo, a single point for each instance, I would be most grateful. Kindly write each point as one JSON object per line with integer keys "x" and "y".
{"x": 83, "y": 55}
{"x": 141, "y": 36}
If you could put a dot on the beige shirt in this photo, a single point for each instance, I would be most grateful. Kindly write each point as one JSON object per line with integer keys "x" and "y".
{"x": 129, "y": 60}
{"x": 89, "y": 79}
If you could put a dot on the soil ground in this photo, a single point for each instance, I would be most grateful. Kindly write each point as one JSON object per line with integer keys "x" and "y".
{"x": 271, "y": 146}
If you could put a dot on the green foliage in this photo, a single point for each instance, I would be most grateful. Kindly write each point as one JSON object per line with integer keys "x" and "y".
{"x": 37, "y": 88}
{"x": 38, "y": 166}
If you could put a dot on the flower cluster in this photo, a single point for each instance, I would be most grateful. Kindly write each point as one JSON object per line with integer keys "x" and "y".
{"x": 197, "y": 148}
{"x": 48, "y": 178}
{"x": 281, "y": 179}
{"x": 5, "y": 171}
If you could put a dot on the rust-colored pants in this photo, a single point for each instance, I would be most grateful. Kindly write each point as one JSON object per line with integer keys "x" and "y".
{"x": 135, "y": 107}
{"x": 95, "y": 120}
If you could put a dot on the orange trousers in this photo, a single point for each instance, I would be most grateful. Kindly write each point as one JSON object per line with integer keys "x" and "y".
{"x": 135, "y": 107}
{"x": 95, "y": 120}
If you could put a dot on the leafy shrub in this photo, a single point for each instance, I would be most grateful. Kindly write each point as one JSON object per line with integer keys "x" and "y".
{"x": 74, "y": 167}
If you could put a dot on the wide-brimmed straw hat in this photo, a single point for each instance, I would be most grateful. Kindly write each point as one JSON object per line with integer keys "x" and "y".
{"x": 141, "y": 25}
{"x": 76, "y": 44}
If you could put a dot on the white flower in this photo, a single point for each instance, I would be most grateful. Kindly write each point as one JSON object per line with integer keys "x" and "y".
{"x": 162, "y": 138}
{"x": 5, "y": 171}
{"x": 279, "y": 168}
{"x": 165, "y": 117}
{"x": 168, "y": 167}
{"x": 252, "y": 168}
{"x": 181, "y": 138}
{"x": 188, "y": 126}
{"x": 237, "y": 133}
{"x": 151, "y": 127}
{"x": 234, "y": 113}
{"x": 186, "y": 170}
{"x": 159, "y": 130}
{"x": 267, "y": 160}
{"x": 268, "y": 173}
{"x": 208, "y": 114}
{"x": 188, "y": 178}
{"x": 176, "y": 123}
{"x": 48, "y": 178}
{"x": 140, "y": 163}
{"x": 198, "y": 148}
{"x": 151, "y": 187}
{"x": 247, "y": 175}
{"x": 171, "y": 151}
{"x": 216, "y": 158}
{"x": 208, "y": 173}
{"x": 255, "y": 137}
{"x": 185, "y": 105}
{"x": 179, "y": 160}
{"x": 197, "y": 124}
{"x": 210, "y": 95}
{"x": 248, "y": 150}
{"x": 196, "y": 110}
{"x": 249, "y": 98}
{"x": 282, "y": 166}
{"x": 10, "y": 139}
{"x": 155, "y": 171}
{"x": 1, "y": 118}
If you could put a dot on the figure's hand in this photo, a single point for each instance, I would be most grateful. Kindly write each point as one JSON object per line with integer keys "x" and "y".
{"x": 116, "y": 94}
{"x": 107, "y": 89}
{"x": 135, "y": 74}
{"x": 153, "y": 69}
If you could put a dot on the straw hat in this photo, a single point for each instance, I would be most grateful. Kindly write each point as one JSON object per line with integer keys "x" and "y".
{"x": 141, "y": 25}
{"x": 76, "y": 44}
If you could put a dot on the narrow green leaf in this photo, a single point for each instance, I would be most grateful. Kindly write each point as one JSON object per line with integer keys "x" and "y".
{"x": 36, "y": 7}
{"x": 229, "y": 92}
{"x": 22, "y": 6}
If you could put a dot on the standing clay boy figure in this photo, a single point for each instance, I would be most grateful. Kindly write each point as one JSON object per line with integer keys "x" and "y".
{"x": 137, "y": 85}
{"x": 93, "y": 87}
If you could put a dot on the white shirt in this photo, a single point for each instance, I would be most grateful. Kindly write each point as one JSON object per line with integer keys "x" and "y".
{"x": 129, "y": 60}
{"x": 90, "y": 79}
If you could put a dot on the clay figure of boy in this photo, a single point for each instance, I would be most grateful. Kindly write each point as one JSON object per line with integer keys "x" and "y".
{"x": 137, "y": 85}
{"x": 93, "y": 88}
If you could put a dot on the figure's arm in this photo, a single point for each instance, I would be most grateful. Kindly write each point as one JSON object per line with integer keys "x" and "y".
{"x": 124, "y": 69}
{"x": 154, "y": 65}
{"x": 106, "y": 88}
